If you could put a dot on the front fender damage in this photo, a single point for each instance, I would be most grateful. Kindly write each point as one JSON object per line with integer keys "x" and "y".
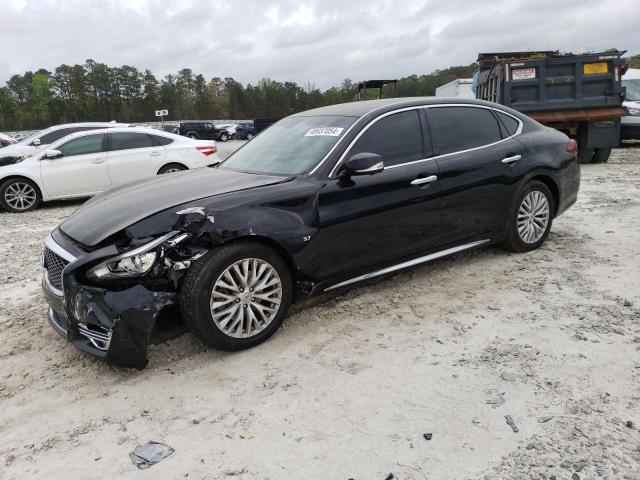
{"x": 114, "y": 325}
{"x": 115, "y": 322}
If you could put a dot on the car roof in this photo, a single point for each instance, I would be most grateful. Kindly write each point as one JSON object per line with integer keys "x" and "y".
{"x": 87, "y": 124}
{"x": 362, "y": 108}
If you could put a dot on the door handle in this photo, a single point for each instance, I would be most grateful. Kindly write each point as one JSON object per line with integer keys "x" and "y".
{"x": 156, "y": 154}
{"x": 98, "y": 160}
{"x": 423, "y": 180}
{"x": 511, "y": 159}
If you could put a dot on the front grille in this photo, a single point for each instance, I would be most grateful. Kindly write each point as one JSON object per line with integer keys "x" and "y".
{"x": 100, "y": 337}
{"x": 54, "y": 265}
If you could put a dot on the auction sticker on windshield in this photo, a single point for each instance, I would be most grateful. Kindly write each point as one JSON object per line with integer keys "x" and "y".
{"x": 523, "y": 73}
{"x": 324, "y": 132}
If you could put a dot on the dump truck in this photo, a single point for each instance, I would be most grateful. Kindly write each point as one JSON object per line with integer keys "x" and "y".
{"x": 578, "y": 94}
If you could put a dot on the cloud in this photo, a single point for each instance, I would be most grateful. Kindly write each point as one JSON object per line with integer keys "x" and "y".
{"x": 317, "y": 41}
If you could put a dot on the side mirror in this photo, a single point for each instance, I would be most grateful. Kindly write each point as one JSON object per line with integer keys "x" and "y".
{"x": 364, "y": 163}
{"x": 36, "y": 142}
{"x": 51, "y": 154}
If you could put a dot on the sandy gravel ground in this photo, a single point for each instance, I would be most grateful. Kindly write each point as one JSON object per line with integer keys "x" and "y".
{"x": 352, "y": 381}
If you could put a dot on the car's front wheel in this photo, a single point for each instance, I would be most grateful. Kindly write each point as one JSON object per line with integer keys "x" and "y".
{"x": 530, "y": 218}
{"x": 236, "y": 296}
{"x": 224, "y": 137}
{"x": 19, "y": 195}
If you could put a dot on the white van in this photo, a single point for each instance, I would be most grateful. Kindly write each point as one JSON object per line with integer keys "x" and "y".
{"x": 631, "y": 123}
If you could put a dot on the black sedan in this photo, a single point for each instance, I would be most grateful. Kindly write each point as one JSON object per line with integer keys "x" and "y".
{"x": 321, "y": 200}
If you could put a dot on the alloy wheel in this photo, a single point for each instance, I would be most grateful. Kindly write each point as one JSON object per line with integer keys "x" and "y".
{"x": 20, "y": 196}
{"x": 246, "y": 297}
{"x": 533, "y": 217}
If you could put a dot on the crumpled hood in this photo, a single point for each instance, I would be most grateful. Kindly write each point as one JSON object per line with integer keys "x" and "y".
{"x": 116, "y": 209}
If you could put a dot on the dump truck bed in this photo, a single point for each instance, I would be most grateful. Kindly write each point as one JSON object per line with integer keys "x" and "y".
{"x": 552, "y": 82}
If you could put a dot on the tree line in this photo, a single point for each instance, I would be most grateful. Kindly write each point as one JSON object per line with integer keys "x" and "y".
{"x": 97, "y": 92}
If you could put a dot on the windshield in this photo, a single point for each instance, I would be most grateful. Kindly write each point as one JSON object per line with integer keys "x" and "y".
{"x": 292, "y": 146}
{"x": 633, "y": 89}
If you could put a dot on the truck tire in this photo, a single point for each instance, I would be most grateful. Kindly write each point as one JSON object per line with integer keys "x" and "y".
{"x": 585, "y": 155}
{"x": 602, "y": 155}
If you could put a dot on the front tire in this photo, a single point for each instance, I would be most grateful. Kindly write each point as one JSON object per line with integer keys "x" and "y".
{"x": 237, "y": 295}
{"x": 19, "y": 195}
{"x": 530, "y": 218}
{"x": 223, "y": 137}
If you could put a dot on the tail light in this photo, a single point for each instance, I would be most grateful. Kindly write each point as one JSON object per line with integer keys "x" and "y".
{"x": 207, "y": 150}
{"x": 572, "y": 147}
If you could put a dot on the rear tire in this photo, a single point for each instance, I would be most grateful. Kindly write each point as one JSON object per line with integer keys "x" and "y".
{"x": 172, "y": 168}
{"x": 249, "y": 136}
{"x": 528, "y": 227}
{"x": 193, "y": 135}
{"x": 585, "y": 155}
{"x": 19, "y": 195}
{"x": 602, "y": 155}
{"x": 204, "y": 280}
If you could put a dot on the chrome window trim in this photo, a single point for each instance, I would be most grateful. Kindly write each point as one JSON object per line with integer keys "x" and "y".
{"x": 518, "y": 132}
{"x": 317, "y": 167}
{"x": 369, "y": 125}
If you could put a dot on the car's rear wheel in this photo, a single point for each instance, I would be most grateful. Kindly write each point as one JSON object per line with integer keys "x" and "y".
{"x": 602, "y": 155}
{"x": 236, "y": 296}
{"x": 172, "y": 168}
{"x": 249, "y": 136}
{"x": 530, "y": 218}
{"x": 193, "y": 135}
{"x": 19, "y": 195}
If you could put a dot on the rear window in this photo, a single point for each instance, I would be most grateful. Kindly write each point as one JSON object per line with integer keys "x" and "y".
{"x": 510, "y": 124}
{"x": 161, "y": 140}
{"x": 454, "y": 129}
{"x": 130, "y": 140}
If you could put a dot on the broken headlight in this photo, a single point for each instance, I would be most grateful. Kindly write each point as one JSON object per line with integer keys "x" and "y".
{"x": 133, "y": 263}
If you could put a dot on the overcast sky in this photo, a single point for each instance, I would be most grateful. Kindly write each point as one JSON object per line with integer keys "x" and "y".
{"x": 316, "y": 41}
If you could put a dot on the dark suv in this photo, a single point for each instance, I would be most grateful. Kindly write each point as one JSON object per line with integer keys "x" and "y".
{"x": 245, "y": 131}
{"x": 203, "y": 131}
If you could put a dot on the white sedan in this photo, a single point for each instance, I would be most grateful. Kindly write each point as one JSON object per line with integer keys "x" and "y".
{"x": 85, "y": 163}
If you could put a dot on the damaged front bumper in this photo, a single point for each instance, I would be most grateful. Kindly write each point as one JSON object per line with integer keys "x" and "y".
{"x": 108, "y": 323}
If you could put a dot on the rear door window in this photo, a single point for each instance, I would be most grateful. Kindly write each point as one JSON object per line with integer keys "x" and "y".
{"x": 161, "y": 140}
{"x": 454, "y": 129}
{"x": 83, "y": 145}
{"x": 397, "y": 137}
{"x": 130, "y": 140}
{"x": 510, "y": 124}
